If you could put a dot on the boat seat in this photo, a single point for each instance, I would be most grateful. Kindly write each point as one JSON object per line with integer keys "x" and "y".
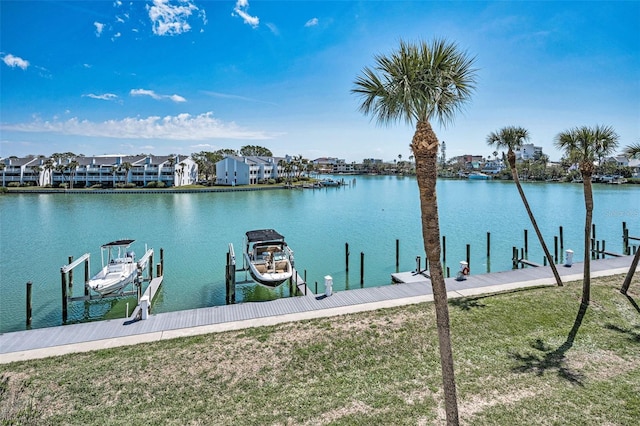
{"x": 261, "y": 267}
{"x": 282, "y": 266}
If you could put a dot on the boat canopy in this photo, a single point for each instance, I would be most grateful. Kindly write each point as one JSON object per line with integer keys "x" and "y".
{"x": 118, "y": 243}
{"x": 264, "y": 235}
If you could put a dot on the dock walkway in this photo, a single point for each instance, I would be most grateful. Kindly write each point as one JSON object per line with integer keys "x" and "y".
{"x": 45, "y": 342}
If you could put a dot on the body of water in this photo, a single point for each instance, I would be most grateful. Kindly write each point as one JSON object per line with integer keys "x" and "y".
{"x": 39, "y": 231}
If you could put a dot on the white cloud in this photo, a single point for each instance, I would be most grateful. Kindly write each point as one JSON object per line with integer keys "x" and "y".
{"x": 103, "y": 97}
{"x": 177, "y": 98}
{"x": 273, "y": 28}
{"x": 169, "y": 19}
{"x": 311, "y": 22}
{"x": 15, "y": 61}
{"x": 99, "y": 28}
{"x": 179, "y": 127}
{"x": 241, "y": 10}
{"x": 154, "y": 95}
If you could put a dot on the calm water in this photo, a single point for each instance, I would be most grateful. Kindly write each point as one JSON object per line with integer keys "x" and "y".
{"x": 39, "y": 232}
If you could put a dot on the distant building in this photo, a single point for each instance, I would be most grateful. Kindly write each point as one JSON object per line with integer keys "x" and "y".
{"x": 528, "y": 152}
{"x": 333, "y": 165}
{"x": 493, "y": 167}
{"x": 235, "y": 170}
{"x": 106, "y": 171}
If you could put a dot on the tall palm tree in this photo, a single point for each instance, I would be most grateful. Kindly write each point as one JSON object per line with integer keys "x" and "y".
{"x": 418, "y": 83}
{"x": 512, "y": 137}
{"x": 584, "y": 145}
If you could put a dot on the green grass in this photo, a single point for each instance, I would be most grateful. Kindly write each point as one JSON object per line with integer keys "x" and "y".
{"x": 524, "y": 357}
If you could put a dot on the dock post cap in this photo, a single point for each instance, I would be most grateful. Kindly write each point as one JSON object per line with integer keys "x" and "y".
{"x": 569, "y": 260}
{"x": 144, "y": 307}
{"x": 328, "y": 285}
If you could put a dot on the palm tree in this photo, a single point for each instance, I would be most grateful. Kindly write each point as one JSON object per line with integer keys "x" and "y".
{"x": 126, "y": 166}
{"x": 632, "y": 150}
{"x": 416, "y": 84}
{"x": 584, "y": 145}
{"x": 114, "y": 172}
{"x": 511, "y": 138}
{"x": 72, "y": 167}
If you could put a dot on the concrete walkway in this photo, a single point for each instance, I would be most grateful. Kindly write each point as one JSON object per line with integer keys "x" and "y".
{"x": 52, "y": 341}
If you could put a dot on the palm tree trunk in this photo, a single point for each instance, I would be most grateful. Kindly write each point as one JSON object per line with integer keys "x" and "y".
{"x": 425, "y": 150}
{"x": 632, "y": 270}
{"x": 514, "y": 172}
{"x": 588, "y": 204}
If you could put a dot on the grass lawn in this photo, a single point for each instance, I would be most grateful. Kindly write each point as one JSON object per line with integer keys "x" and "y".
{"x": 521, "y": 358}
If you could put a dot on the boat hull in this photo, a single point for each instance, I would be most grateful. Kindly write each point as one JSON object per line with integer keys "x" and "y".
{"x": 107, "y": 282}
{"x": 272, "y": 278}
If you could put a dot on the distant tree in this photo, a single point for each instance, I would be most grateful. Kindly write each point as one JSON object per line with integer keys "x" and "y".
{"x": 126, "y": 166}
{"x": 416, "y": 84}
{"x": 72, "y": 167}
{"x": 512, "y": 138}
{"x": 255, "y": 150}
{"x": 36, "y": 173}
{"x": 61, "y": 168}
{"x": 583, "y": 145}
{"x": 206, "y": 162}
{"x": 114, "y": 172}
{"x": 227, "y": 151}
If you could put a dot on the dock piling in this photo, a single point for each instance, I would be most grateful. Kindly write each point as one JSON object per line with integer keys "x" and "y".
{"x": 526, "y": 241}
{"x": 346, "y": 256}
{"x": 71, "y": 276}
{"x": 64, "y": 298}
{"x": 397, "y": 254}
{"x": 469, "y": 255}
{"x": 488, "y": 245}
{"x": 29, "y": 311}
{"x": 361, "y": 269}
{"x": 444, "y": 249}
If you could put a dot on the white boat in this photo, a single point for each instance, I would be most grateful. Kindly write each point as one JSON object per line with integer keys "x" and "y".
{"x": 478, "y": 175}
{"x": 329, "y": 182}
{"x": 119, "y": 268}
{"x": 269, "y": 258}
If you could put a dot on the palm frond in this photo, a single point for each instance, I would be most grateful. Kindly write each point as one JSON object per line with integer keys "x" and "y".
{"x": 511, "y": 137}
{"x": 587, "y": 144}
{"x": 417, "y": 82}
{"x": 632, "y": 150}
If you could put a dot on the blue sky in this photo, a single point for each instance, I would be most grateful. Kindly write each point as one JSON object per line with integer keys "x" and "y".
{"x": 162, "y": 77}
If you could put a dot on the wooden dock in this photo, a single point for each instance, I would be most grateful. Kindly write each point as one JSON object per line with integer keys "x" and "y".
{"x": 45, "y": 342}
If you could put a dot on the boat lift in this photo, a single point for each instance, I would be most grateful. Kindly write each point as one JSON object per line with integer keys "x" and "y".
{"x": 296, "y": 281}
{"x": 66, "y": 273}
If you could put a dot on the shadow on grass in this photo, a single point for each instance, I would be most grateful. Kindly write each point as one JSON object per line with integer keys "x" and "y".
{"x": 632, "y": 335}
{"x": 552, "y": 360}
{"x": 633, "y": 302}
{"x": 467, "y": 303}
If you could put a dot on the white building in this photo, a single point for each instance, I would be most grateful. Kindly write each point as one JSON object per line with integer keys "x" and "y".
{"x": 528, "y": 152}
{"x": 235, "y": 170}
{"x": 106, "y": 171}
